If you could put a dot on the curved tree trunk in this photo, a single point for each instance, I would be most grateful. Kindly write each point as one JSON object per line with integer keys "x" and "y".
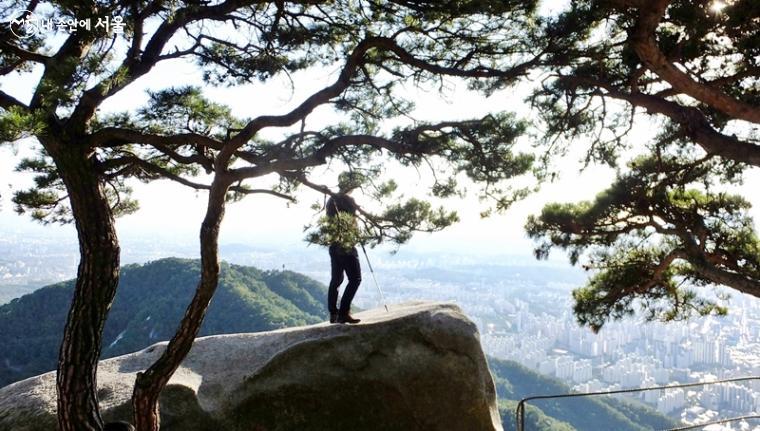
{"x": 150, "y": 383}
{"x": 97, "y": 279}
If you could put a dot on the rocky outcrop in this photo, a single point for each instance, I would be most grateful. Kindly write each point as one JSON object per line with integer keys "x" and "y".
{"x": 417, "y": 367}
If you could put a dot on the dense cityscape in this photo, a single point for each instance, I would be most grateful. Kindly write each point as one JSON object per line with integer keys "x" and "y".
{"x": 522, "y": 309}
{"x": 529, "y": 321}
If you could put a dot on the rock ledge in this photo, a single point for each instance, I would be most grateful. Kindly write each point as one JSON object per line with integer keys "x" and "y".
{"x": 418, "y": 367}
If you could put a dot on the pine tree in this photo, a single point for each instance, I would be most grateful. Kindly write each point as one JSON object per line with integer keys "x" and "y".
{"x": 87, "y": 158}
{"x": 667, "y": 228}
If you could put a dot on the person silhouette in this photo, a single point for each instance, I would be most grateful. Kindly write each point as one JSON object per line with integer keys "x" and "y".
{"x": 344, "y": 257}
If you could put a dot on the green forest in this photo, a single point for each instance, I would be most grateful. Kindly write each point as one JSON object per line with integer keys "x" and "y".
{"x": 665, "y": 93}
{"x": 151, "y": 299}
{"x": 515, "y": 382}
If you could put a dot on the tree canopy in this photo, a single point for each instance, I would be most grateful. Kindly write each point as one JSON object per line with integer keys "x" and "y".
{"x": 88, "y": 157}
{"x": 691, "y": 67}
{"x": 181, "y": 133}
{"x": 668, "y": 226}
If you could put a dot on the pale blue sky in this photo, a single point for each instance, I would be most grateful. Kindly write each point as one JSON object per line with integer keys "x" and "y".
{"x": 170, "y": 210}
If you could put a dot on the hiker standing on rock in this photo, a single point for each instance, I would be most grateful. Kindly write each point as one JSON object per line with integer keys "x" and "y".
{"x": 343, "y": 233}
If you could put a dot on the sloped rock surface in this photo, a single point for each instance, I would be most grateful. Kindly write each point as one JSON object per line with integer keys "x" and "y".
{"x": 418, "y": 367}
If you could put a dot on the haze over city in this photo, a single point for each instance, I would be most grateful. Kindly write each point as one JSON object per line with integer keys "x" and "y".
{"x": 650, "y": 106}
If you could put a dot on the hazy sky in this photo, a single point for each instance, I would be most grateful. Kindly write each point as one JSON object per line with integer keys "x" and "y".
{"x": 169, "y": 210}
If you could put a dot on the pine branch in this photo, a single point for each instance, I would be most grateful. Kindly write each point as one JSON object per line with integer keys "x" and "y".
{"x": 7, "y": 101}
{"x": 644, "y": 43}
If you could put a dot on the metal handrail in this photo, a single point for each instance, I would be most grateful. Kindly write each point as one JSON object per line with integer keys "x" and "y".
{"x": 520, "y": 410}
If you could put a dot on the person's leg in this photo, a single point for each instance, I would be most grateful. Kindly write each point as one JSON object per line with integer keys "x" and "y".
{"x": 354, "y": 273}
{"x": 336, "y": 278}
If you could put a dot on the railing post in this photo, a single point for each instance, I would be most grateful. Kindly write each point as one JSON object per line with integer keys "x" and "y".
{"x": 520, "y": 416}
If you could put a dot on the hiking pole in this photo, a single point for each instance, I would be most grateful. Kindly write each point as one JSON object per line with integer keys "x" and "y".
{"x": 372, "y": 271}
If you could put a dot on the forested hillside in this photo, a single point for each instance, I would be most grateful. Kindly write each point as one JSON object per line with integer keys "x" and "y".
{"x": 150, "y": 302}
{"x": 515, "y": 382}
{"x": 152, "y": 298}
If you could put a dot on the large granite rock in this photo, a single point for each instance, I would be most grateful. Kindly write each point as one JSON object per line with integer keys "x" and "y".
{"x": 418, "y": 367}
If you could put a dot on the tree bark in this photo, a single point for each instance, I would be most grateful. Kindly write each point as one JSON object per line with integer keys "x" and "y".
{"x": 97, "y": 279}
{"x": 152, "y": 381}
{"x": 693, "y": 122}
{"x": 645, "y": 44}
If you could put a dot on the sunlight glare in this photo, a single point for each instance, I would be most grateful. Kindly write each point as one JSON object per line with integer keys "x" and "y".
{"x": 717, "y": 6}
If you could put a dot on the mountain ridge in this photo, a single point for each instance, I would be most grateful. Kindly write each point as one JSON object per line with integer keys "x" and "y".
{"x": 417, "y": 367}
{"x": 247, "y": 300}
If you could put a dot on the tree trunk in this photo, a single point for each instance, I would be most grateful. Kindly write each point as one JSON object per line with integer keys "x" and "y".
{"x": 97, "y": 278}
{"x": 150, "y": 383}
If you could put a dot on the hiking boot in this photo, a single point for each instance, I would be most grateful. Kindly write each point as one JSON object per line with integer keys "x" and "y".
{"x": 347, "y": 318}
{"x": 334, "y": 317}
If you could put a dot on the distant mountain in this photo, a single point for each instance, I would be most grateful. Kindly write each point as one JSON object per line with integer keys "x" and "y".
{"x": 149, "y": 304}
{"x": 515, "y": 382}
{"x": 9, "y": 292}
{"x": 152, "y": 298}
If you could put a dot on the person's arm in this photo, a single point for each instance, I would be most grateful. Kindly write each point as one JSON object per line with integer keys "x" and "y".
{"x": 352, "y": 206}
